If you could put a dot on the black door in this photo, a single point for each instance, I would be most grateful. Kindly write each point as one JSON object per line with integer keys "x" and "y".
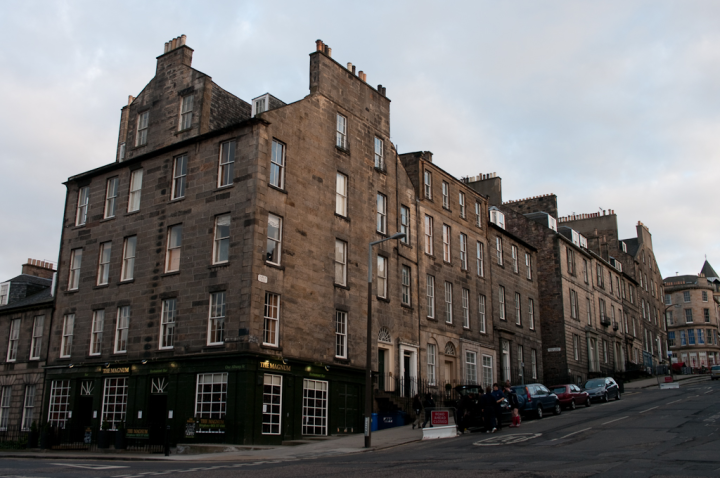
{"x": 157, "y": 414}
{"x": 83, "y": 417}
{"x": 347, "y": 420}
{"x": 406, "y": 374}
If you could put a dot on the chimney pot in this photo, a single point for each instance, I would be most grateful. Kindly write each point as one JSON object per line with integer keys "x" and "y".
{"x": 183, "y": 38}
{"x": 167, "y": 47}
{"x": 384, "y": 92}
{"x": 349, "y": 67}
{"x": 318, "y": 45}
{"x": 361, "y": 74}
{"x": 329, "y": 52}
{"x": 353, "y": 68}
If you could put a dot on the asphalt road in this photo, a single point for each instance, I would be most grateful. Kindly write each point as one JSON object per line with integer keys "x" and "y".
{"x": 646, "y": 433}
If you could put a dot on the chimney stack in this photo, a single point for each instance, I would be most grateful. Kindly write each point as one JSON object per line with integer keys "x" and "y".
{"x": 38, "y": 268}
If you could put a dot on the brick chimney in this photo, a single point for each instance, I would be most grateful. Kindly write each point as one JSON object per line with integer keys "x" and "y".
{"x": 176, "y": 51}
{"x": 38, "y": 268}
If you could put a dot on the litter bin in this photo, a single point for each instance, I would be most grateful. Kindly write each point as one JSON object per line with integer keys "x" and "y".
{"x": 374, "y": 422}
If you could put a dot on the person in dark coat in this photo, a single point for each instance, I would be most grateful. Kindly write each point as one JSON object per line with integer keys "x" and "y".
{"x": 512, "y": 399}
{"x": 429, "y": 403}
{"x": 417, "y": 406}
{"x": 463, "y": 409}
{"x": 498, "y": 397}
{"x": 487, "y": 402}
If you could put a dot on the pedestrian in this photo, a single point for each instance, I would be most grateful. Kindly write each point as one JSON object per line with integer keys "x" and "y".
{"x": 488, "y": 408}
{"x": 429, "y": 404}
{"x": 498, "y": 397}
{"x": 417, "y": 406}
{"x": 463, "y": 411}
{"x": 512, "y": 399}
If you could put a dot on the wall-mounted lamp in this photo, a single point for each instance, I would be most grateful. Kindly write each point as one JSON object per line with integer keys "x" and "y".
{"x": 71, "y": 366}
{"x": 144, "y": 361}
{"x": 285, "y": 361}
{"x": 107, "y": 364}
{"x": 327, "y": 368}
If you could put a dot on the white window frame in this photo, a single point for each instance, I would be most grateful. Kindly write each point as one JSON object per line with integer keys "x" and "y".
{"x": 382, "y": 276}
{"x": 13, "y": 340}
{"x": 128, "y": 262}
{"x": 405, "y": 224}
{"x": 478, "y": 222}
{"x": 122, "y": 328}
{"x": 271, "y": 322}
{"x": 103, "y": 274}
{"x": 431, "y": 364}
{"x": 381, "y": 213}
{"x": 480, "y": 259}
{"x": 379, "y": 154}
{"x": 180, "y": 168}
{"x": 501, "y": 302}
{"x": 430, "y": 294}
{"x": 448, "y": 302}
{"x": 427, "y": 184}
{"x": 28, "y": 407}
{"x": 37, "y": 335}
{"x": 340, "y": 262}
{"x": 341, "y": 132}
{"x": 211, "y": 397}
{"x": 75, "y": 265}
{"x": 531, "y": 313}
{"x": 533, "y": 363}
{"x": 272, "y": 409}
{"x": 461, "y": 202}
{"x": 405, "y": 276}
{"x": 115, "y": 398}
{"x": 123, "y": 147}
{"x": 4, "y": 293}
{"x": 466, "y": 308}
{"x": 5, "y": 400}
{"x": 221, "y": 240}
{"x": 226, "y": 164}
{"x": 499, "y": 250}
{"x": 59, "y": 404}
{"x": 168, "y": 320}
{"x": 277, "y": 164}
{"x": 482, "y": 317}
{"x": 274, "y": 240}
{"x": 173, "y": 253}
{"x": 135, "y": 194}
{"x": 445, "y": 195}
{"x": 217, "y": 307}
{"x": 446, "y": 243}
{"x": 340, "y": 334}
{"x": 463, "y": 252}
{"x": 518, "y": 312}
{"x": 471, "y": 367}
{"x": 514, "y": 252}
{"x": 315, "y": 407}
{"x": 96, "y": 332}
{"x": 83, "y": 202}
{"x": 341, "y": 191}
{"x": 428, "y": 235}
{"x": 143, "y": 120}
{"x": 67, "y": 335}
{"x": 528, "y": 266}
{"x": 186, "y": 112}
{"x": 487, "y": 367}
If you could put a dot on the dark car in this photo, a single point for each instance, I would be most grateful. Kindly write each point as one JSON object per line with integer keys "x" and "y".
{"x": 602, "y": 389}
{"x": 474, "y": 418}
{"x": 535, "y": 399}
{"x": 570, "y": 395}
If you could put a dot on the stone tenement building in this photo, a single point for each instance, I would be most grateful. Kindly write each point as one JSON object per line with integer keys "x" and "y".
{"x": 213, "y": 278}
{"x": 26, "y": 311}
{"x": 584, "y": 329}
{"x": 636, "y": 259}
{"x": 691, "y": 304}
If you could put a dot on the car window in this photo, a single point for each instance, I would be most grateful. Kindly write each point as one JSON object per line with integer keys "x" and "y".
{"x": 543, "y": 389}
{"x": 595, "y": 383}
{"x": 716, "y": 367}
{"x": 558, "y": 390}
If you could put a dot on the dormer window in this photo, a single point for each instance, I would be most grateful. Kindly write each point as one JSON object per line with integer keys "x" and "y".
{"x": 260, "y": 104}
{"x": 4, "y": 293}
{"x": 497, "y": 217}
{"x": 552, "y": 223}
{"x": 186, "y": 112}
{"x": 583, "y": 241}
{"x": 623, "y": 246}
{"x": 122, "y": 152}
{"x": 575, "y": 238}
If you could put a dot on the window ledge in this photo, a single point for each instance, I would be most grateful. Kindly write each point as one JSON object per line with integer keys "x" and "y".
{"x": 431, "y": 319}
{"x": 101, "y": 286}
{"x": 380, "y": 170}
{"x": 447, "y": 263}
{"x": 449, "y": 323}
{"x": 119, "y": 354}
{"x": 406, "y": 244}
{"x": 183, "y": 131}
{"x": 105, "y": 219}
{"x": 342, "y": 150}
{"x": 344, "y": 218}
{"x": 211, "y": 347}
{"x": 75, "y": 227}
{"x": 340, "y": 286}
{"x": 382, "y": 299}
{"x": 130, "y": 213}
{"x": 219, "y": 265}
{"x": 174, "y": 200}
{"x": 343, "y": 361}
{"x": 271, "y": 347}
{"x": 280, "y": 190}
{"x": 171, "y": 273}
{"x": 274, "y": 266}
{"x": 222, "y": 188}
{"x": 430, "y": 255}
{"x": 127, "y": 281}
{"x": 406, "y": 306}
{"x": 71, "y": 292}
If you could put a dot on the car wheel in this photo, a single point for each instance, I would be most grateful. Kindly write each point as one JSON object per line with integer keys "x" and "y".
{"x": 605, "y": 397}
{"x": 557, "y": 410}
{"x": 539, "y": 412}
{"x": 572, "y": 405}
{"x": 618, "y": 396}
{"x": 588, "y": 402}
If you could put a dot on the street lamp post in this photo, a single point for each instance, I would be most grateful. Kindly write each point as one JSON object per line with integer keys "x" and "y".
{"x": 368, "y": 358}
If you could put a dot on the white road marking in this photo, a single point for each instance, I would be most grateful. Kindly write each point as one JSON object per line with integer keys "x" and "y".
{"x": 675, "y": 401}
{"x": 575, "y": 433}
{"x": 709, "y": 391}
{"x": 91, "y": 467}
{"x": 653, "y": 408}
{"x": 621, "y": 418}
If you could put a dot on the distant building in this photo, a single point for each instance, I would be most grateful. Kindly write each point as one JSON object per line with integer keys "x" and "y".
{"x": 26, "y": 310}
{"x": 691, "y": 311}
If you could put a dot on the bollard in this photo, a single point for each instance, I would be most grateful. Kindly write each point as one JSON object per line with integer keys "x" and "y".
{"x": 167, "y": 440}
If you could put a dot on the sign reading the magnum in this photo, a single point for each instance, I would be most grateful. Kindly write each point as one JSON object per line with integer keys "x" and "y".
{"x": 116, "y": 370}
{"x": 211, "y": 425}
{"x": 275, "y": 366}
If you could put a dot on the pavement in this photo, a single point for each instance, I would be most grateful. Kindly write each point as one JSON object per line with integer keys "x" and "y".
{"x": 329, "y": 446}
{"x": 653, "y": 381}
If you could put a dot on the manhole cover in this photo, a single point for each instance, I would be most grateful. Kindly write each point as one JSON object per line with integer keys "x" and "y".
{"x": 507, "y": 439}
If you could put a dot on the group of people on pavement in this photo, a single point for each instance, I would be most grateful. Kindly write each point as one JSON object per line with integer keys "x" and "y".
{"x": 488, "y": 405}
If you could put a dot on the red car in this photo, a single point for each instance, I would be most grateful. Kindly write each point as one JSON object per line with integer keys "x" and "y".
{"x": 570, "y": 396}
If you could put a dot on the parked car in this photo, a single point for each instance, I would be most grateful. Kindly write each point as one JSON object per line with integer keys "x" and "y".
{"x": 570, "y": 396}
{"x": 602, "y": 389}
{"x": 535, "y": 399}
{"x": 714, "y": 372}
{"x": 475, "y": 418}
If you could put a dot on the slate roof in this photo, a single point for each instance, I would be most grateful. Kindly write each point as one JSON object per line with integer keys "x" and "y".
{"x": 44, "y": 296}
{"x": 28, "y": 279}
{"x": 708, "y": 271}
{"x": 632, "y": 246}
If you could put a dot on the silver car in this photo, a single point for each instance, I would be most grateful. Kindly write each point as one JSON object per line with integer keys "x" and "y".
{"x": 715, "y": 372}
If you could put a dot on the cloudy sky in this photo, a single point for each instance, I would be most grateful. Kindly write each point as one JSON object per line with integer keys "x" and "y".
{"x": 612, "y": 105}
